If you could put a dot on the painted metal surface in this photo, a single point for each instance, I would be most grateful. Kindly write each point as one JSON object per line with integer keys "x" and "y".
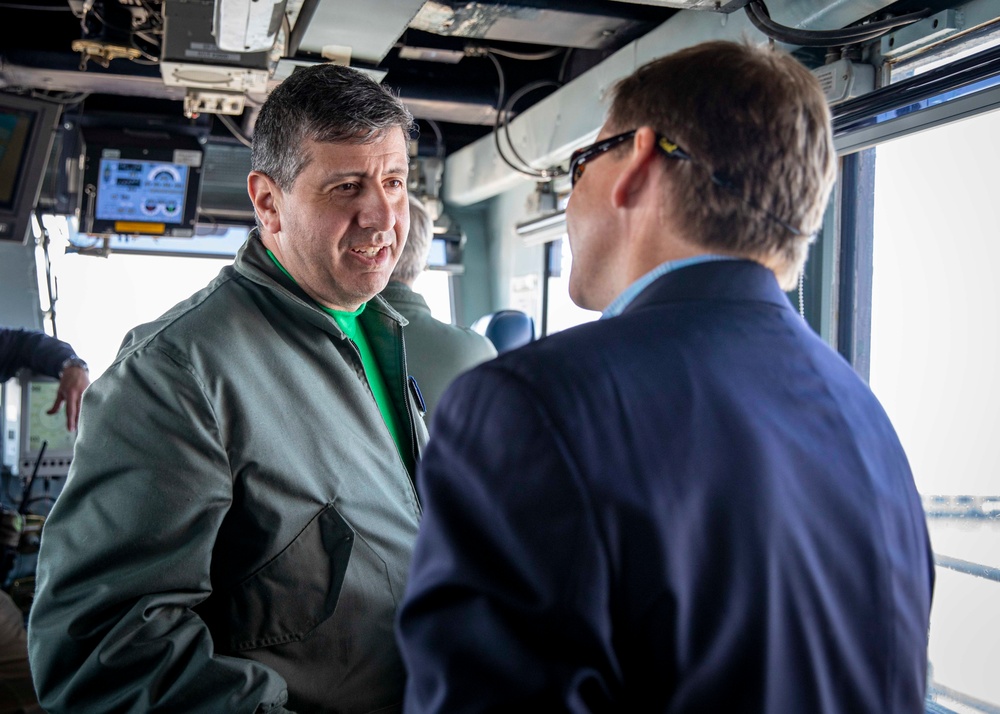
{"x": 572, "y": 116}
{"x": 339, "y": 25}
{"x": 522, "y": 22}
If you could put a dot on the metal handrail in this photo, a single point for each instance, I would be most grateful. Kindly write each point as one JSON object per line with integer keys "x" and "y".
{"x": 969, "y": 568}
{"x": 936, "y": 691}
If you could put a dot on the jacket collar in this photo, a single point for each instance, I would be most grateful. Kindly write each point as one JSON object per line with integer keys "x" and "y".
{"x": 730, "y": 280}
{"x": 253, "y": 262}
{"x": 402, "y": 294}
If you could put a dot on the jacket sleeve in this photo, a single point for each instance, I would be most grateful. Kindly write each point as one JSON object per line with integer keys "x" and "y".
{"x": 126, "y": 555}
{"x": 506, "y": 607}
{"x": 33, "y": 350}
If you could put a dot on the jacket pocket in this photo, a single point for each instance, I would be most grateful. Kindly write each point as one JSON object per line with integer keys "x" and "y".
{"x": 297, "y": 590}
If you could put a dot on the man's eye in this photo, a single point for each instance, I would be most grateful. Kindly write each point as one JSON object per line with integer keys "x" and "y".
{"x": 344, "y": 187}
{"x": 394, "y": 183}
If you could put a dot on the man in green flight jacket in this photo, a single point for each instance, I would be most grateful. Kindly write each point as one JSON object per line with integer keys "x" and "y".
{"x": 238, "y": 521}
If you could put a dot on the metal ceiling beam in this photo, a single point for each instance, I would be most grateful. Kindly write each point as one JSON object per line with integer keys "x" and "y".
{"x": 546, "y": 133}
{"x": 581, "y": 24}
{"x": 92, "y": 82}
{"x": 363, "y": 31}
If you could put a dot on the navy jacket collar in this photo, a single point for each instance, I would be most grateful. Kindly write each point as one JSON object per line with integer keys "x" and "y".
{"x": 721, "y": 280}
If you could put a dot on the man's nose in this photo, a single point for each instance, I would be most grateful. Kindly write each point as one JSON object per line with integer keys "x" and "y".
{"x": 376, "y": 210}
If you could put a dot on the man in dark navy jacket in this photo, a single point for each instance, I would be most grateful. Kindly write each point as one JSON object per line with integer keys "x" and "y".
{"x": 693, "y": 504}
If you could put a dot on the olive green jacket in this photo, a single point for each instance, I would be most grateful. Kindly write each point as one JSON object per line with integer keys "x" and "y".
{"x": 237, "y": 524}
{"x": 436, "y": 352}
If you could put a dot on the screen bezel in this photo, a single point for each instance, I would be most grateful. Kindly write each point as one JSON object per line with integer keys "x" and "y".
{"x": 119, "y": 169}
{"x": 138, "y": 147}
{"x": 15, "y": 218}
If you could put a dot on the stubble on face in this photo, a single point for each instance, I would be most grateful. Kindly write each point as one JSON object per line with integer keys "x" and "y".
{"x": 345, "y": 219}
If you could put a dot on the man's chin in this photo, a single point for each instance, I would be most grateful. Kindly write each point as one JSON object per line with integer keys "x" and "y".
{"x": 370, "y": 286}
{"x": 380, "y": 283}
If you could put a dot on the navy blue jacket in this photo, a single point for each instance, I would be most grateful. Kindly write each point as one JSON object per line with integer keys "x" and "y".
{"x": 34, "y": 350}
{"x": 696, "y": 506}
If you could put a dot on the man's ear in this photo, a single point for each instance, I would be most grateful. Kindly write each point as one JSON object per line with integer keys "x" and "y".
{"x": 266, "y": 198}
{"x": 635, "y": 175}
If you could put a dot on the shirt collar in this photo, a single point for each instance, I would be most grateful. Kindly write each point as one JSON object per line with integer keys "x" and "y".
{"x": 621, "y": 302}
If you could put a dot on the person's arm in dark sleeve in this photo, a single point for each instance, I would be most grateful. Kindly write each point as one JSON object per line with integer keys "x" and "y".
{"x": 126, "y": 555}
{"x": 33, "y": 350}
{"x": 506, "y": 607}
{"x": 46, "y": 355}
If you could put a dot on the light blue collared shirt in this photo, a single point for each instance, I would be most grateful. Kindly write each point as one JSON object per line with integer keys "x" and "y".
{"x": 632, "y": 291}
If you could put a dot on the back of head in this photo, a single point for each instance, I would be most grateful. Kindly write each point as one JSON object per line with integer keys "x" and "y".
{"x": 758, "y": 120}
{"x": 413, "y": 259}
{"x": 324, "y": 103}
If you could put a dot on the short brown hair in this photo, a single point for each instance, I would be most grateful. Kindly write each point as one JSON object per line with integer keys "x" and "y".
{"x": 757, "y": 118}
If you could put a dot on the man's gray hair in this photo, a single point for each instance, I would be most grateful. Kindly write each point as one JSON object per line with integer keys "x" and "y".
{"x": 325, "y": 103}
{"x": 413, "y": 260}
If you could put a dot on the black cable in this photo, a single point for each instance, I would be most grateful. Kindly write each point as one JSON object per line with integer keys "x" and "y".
{"x": 857, "y": 33}
{"x": 760, "y": 18}
{"x": 36, "y": 499}
{"x": 439, "y": 137}
{"x": 851, "y": 114}
{"x": 500, "y": 79}
{"x": 509, "y": 106}
{"x": 561, "y": 77}
{"x": 26, "y": 493}
{"x": 150, "y": 59}
{"x": 548, "y": 54}
{"x": 499, "y": 114}
{"x": 66, "y": 99}
{"x": 50, "y": 285}
{"x": 154, "y": 25}
{"x": 525, "y": 169}
{"x": 108, "y": 25}
{"x": 235, "y": 130}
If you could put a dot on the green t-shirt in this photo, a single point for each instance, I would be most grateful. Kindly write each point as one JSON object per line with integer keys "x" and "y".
{"x": 349, "y": 323}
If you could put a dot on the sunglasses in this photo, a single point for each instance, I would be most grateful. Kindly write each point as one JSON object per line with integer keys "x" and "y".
{"x": 579, "y": 158}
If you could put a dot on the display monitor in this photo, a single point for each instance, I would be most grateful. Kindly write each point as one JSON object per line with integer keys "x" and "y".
{"x": 38, "y": 394}
{"x": 437, "y": 256}
{"x": 27, "y": 128}
{"x": 447, "y": 251}
{"x": 140, "y": 184}
{"x": 133, "y": 190}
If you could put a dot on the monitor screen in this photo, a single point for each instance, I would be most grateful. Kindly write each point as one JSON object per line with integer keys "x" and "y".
{"x": 133, "y": 190}
{"x": 26, "y": 132}
{"x": 38, "y": 394}
{"x": 15, "y": 129}
{"x": 137, "y": 183}
{"x": 438, "y": 254}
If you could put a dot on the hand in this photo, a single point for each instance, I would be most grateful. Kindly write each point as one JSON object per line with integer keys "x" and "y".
{"x": 71, "y": 385}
